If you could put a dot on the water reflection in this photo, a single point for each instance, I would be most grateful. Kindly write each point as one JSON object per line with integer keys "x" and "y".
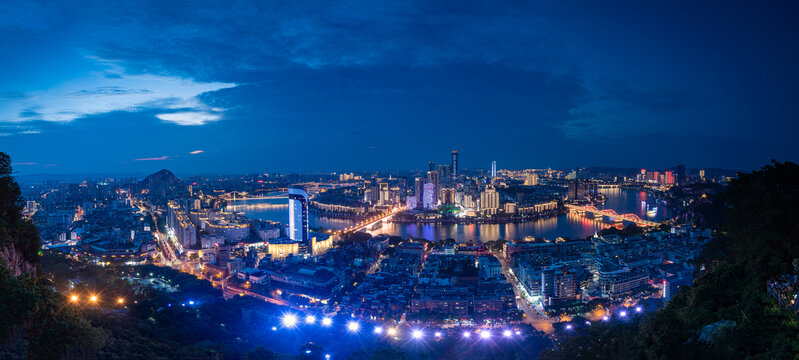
{"x": 567, "y": 225}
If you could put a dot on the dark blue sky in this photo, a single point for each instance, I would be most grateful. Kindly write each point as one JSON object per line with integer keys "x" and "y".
{"x": 346, "y": 85}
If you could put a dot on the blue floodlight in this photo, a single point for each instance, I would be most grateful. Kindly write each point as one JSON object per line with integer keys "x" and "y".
{"x": 353, "y": 326}
{"x": 289, "y": 320}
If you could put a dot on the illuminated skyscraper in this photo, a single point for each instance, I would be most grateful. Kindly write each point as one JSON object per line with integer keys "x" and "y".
{"x": 298, "y": 215}
{"x": 433, "y": 177}
{"x": 493, "y": 169}
{"x": 454, "y": 164}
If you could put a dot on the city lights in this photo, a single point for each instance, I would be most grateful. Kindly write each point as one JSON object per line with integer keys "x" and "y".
{"x": 623, "y": 314}
{"x": 507, "y": 333}
{"x": 569, "y": 327}
{"x": 485, "y": 334}
{"x": 392, "y": 331}
{"x": 638, "y": 309}
{"x": 326, "y": 322}
{"x": 437, "y": 334}
{"x": 353, "y": 326}
{"x": 289, "y": 320}
{"x": 93, "y": 298}
{"x": 605, "y": 318}
{"x": 467, "y": 334}
{"x": 378, "y": 330}
{"x": 120, "y": 301}
{"x": 310, "y": 319}
{"x": 74, "y": 298}
{"x": 417, "y": 334}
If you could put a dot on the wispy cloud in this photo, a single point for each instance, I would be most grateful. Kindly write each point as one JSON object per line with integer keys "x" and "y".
{"x": 188, "y": 118}
{"x": 175, "y": 99}
{"x": 24, "y": 163}
{"x": 195, "y": 152}
{"x": 153, "y": 159}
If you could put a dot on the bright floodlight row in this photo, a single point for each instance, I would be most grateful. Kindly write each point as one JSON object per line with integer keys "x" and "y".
{"x": 93, "y": 298}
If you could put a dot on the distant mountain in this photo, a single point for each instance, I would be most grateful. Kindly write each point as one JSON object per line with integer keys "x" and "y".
{"x": 163, "y": 184}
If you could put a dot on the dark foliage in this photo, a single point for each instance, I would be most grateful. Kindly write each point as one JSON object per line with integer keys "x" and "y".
{"x": 759, "y": 240}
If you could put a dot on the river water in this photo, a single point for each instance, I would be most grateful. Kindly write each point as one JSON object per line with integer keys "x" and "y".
{"x": 568, "y": 225}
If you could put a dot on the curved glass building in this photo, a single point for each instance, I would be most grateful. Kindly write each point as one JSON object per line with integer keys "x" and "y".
{"x": 298, "y": 216}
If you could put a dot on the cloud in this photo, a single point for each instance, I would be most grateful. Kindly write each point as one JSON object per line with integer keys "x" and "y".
{"x": 195, "y": 152}
{"x": 96, "y": 93}
{"x": 188, "y": 118}
{"x": 24, "y": 163}
{"x": 153, "y": 159}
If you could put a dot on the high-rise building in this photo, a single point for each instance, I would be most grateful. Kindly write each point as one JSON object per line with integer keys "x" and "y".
{"x": 580, "y": 189}
{"x": 702, "y": 174}
{"x": 298, "y": 216}
{"x": 428, "y": 200}
{"x": 681, "y": 178}
{"x": 531, "y": 179}
{"x": 434, "y": 178}
{"x": 448, "y": 196}
{"x": 431, "y": 166}
{"x": 489, "y": 200}
{"x": 493, "y": 169}
{"x": 454, "y": 164}
{"x": 384, "y": 194}
{"x": 669, "y": 178}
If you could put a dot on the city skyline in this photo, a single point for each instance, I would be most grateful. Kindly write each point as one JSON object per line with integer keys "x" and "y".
{"x": 392, "y": 86}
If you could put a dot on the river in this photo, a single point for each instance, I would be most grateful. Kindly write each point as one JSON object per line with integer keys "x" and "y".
{"x": 567, "y": 225}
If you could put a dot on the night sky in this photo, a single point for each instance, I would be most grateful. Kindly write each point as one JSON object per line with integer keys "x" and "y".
{"x": 233, "y": 86}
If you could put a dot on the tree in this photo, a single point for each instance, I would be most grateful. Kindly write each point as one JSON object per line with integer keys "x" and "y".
{"x": 758, "y": 241}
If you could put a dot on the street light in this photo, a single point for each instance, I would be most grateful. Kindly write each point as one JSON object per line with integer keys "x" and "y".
{"x": 417, "y": 334}
{"x": 93, "y": 298}
{"x": 310, "y": 319}
{"x": 326, "y": 322}
{"x": 74, "y": 298}
{"x": 120, "y": 301}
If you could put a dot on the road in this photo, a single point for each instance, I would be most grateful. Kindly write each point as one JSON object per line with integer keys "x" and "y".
{"x": 534, "y": 317}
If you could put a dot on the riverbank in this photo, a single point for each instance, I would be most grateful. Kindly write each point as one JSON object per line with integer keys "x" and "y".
{"x": 399, "y": 219}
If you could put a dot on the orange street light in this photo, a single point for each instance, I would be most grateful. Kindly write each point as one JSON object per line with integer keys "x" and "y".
{"x": 93, "y": 298}
{"x": 74, "y": 298}
{"x": 120, "y": 301}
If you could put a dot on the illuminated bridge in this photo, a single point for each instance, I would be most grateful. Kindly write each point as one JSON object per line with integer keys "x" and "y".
{"x": 368, "y": 223}
{"x": 611, "y": 214}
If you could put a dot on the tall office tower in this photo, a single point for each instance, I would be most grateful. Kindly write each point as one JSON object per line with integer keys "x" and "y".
{"x": 493, "y": 169}
{"x": 433, "y": 178}
{"x": 702, "y": 174}
{"x": 298, "y": 216}
{"x": 454, "y": 164}
{"x": 431, "y": 166}
{"x": 419, "y": 190}
{"x": 681, "y": 178}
